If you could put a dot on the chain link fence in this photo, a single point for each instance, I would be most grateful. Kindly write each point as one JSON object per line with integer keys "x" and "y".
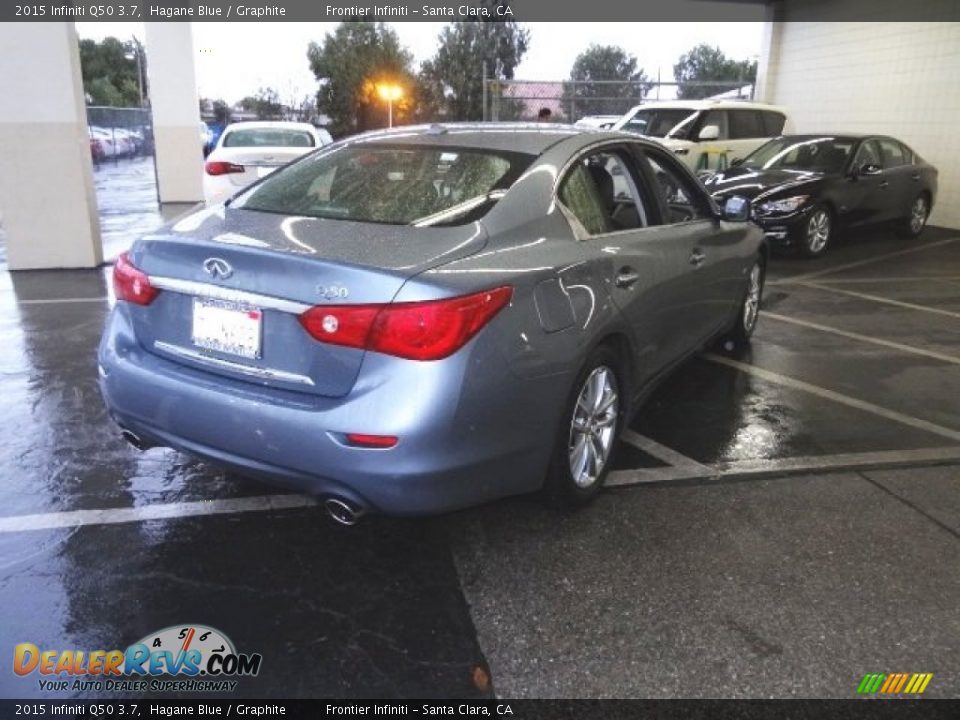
{"x": 117, "y": 133}
{"x": 572, "y": 100}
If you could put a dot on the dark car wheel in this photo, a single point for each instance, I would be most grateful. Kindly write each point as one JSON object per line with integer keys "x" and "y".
{"x": 817, "y": 232}
{"x": 912, "y": 225}
{"x": 588, "y": 431}
{"x": 749, "y": 311}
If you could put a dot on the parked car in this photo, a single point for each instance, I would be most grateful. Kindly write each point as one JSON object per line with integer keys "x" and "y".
{"x": 803, "y": 187}
{"x": 248, "y": 151}
{"x": 707, "y": 134}
{"x": 428, "y": 318}
{"x": 597, "y": 122}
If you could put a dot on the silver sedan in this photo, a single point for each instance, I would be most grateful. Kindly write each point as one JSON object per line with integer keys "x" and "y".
{"x": 415, "y": 321}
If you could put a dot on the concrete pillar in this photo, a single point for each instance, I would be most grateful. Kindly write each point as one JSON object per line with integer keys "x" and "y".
{"x": 47, "y": 198}
{"x": 176, "y": 112}
{"x": 769, "y": 60}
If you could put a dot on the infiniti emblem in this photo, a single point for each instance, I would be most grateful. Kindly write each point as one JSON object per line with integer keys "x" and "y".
{"x": 217, "y": 268}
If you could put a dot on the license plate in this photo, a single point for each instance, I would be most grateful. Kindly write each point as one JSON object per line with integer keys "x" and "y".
{"x": 227, "y": 327}
{"x": 264, "y": 171}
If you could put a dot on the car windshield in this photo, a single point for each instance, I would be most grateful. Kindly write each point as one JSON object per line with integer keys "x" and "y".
{"x": 662, "y": 122}
{"x": 396, "y": 185}
{"x": 823, "y": 154}
{"x": 268, "y": 137}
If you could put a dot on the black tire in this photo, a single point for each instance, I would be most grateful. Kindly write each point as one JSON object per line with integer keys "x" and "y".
{"x": 916, "y": 220}
{"x": 817, "y": 232}
{"x": 562, "y": 488}
{"x": 749, "y": 311}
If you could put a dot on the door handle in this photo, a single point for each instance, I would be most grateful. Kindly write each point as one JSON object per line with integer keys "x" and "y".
{"x": 916, "y": 177}
{"x": 625, "y": 278}
{"x": 884, "y": 185}
{"x": 697, "y": 257}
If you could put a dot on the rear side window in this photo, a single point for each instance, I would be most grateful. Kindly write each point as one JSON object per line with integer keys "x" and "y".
{"x": 773, "y": 123}
{"x": 601, "y": 192}
{"x": 745, "y": 124}
{"x": 267, "y": 137}
{"x": 893, "y": 154}
{"x": 392, "y": 184}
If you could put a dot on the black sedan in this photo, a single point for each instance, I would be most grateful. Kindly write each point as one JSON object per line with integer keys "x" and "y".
{"x": 803, "y": 187}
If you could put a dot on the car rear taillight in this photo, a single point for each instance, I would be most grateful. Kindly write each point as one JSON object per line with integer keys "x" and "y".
{"x": 429, "y": 330}
{"x": 218, "y": 167}
{"x": 131, "y": 284}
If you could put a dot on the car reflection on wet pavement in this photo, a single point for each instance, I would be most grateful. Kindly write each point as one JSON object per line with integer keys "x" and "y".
{"x": 778, "y": 522}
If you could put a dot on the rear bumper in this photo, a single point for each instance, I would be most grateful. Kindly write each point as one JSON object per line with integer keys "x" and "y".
{"x": 460, "y": 443}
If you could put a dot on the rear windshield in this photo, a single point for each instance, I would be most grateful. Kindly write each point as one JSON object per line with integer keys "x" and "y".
{"x": 268, "y": 137}
{"x": 825, "y": 154}
{"x": 392, "y": 184}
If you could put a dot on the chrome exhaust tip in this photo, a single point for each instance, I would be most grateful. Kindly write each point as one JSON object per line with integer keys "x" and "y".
{"x": 133, "y": 439}
{"x": 343, "y": 512}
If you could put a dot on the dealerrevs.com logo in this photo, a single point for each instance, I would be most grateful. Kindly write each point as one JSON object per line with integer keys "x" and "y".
{"x": 180, "y": 658}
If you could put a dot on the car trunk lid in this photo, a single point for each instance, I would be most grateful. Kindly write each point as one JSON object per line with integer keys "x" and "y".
{"x": 245, "y": 276}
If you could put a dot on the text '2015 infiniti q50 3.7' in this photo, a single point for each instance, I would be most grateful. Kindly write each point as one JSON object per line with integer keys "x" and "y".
{"x": 419, "y": 320}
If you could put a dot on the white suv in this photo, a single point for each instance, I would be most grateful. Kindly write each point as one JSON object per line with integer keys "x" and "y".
{"x": 707, "y": 135}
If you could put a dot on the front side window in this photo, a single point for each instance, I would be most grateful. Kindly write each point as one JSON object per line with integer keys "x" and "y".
{"x": 392, "y": 184}
{"x": 869, "y": 154}
{"x": 719, "y": 119}
{"x": 679, "y": 195}
{"x": 825, "y": 154}
{"x": 268, "y": 137}
{"x": 662, "y": 122}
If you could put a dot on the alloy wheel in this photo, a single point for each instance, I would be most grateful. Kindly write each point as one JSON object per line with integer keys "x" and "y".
{"x": 818, "y": 231}
{"x": 918, "y": 215}
{"x": 593, "y": 426}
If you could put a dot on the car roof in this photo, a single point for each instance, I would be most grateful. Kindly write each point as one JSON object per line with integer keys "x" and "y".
{"x": 708, "y": 104}
{"x": 837, "y": 136}
{"x": 529, "y": 138}
{"x": 270, "y": 125}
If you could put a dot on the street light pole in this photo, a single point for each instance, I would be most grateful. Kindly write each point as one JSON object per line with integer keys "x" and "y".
{"x": 390, "y": 93}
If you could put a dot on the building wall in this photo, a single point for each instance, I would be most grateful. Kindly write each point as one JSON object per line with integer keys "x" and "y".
{"x": 893, "y": 78}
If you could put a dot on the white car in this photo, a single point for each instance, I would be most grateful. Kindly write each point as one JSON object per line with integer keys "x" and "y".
{"x": 598, "y": 122}
{"x": 248, "y": 151}
{"x": 708, "y": 135}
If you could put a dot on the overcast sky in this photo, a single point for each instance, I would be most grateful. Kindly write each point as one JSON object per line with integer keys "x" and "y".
{"x": 235, "y": 59}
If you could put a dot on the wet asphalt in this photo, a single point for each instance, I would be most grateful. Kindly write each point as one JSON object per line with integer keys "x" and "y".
{"x": 791, "y": 582}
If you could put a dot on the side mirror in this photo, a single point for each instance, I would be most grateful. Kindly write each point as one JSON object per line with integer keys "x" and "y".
{"x": 868, "y": 169}
{"x": 736, "y": 209}
{"x": 709, "y": 132}
{"x": 736, "y": 162}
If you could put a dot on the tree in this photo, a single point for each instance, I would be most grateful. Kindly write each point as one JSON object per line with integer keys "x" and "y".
{"x": 349, "y": 64}
{"x": 109, "y": 72}
{"x": 582, "y": 96}
{"x": 709, "y": 63}
{"x": 265, "y": 104}
{"x": 222, "y": 114}
{"x": 455, "y": 73}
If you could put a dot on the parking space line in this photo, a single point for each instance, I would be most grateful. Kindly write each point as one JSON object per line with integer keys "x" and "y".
{"x": 779, "y": 466}
{"x": 661, "y": 452}
{"x": 879, "y": 299}
{"x": 860, "y": 263}
{"x": 827, "y": 394}
{"x": 53, "y": 301}
{"x": 876, "y": 280}
{"x": 953, "y": 359}
{"x": 158, "y": 511}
